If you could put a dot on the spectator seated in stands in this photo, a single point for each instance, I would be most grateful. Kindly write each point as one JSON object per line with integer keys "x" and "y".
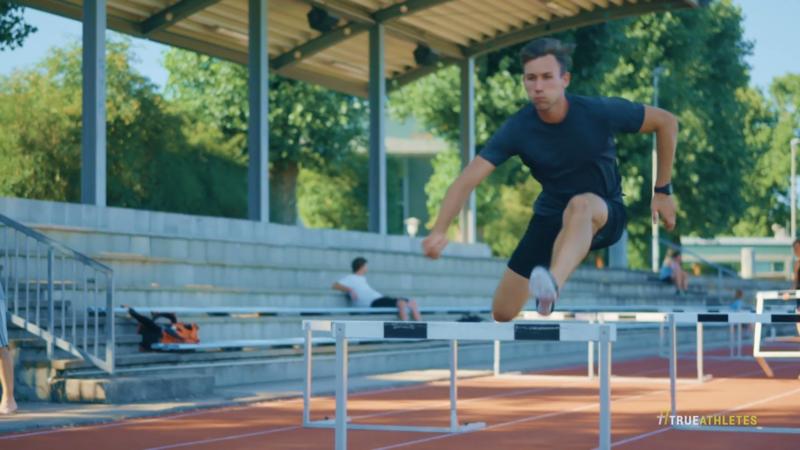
{"x": 361, "y": 293}
{"x": 738, "y": 301}
{"x": 672, "y": 272}
{"x": 154, "y": 330}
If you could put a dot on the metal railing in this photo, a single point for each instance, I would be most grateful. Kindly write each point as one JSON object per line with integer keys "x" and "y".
{"x": 58, "y": 294}
{"x": 720, "y": 269}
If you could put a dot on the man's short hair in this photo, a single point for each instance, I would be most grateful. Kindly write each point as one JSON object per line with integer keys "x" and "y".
{"x": 796, "y": 241}
{"x": 548, "y": 46}
{"x": 358, "y": 263}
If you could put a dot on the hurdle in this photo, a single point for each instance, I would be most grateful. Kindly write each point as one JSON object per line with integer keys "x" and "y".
{"x": 644, "y": 317}
{"x": 761, "y": 297}
{"x": 325, "y": 327}
{"x": 730, "y": 318}
{"x": 345, "y": 331}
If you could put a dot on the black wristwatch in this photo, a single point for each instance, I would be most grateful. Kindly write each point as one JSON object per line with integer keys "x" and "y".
{"x": 665, "y": 189}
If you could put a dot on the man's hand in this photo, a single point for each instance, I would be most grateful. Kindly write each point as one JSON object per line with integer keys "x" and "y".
{"x": 433, "y": 245}
{"x": 663, "y": 206}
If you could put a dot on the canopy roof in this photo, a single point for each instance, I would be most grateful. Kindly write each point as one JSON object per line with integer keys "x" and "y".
{"x": 339, "y": 58}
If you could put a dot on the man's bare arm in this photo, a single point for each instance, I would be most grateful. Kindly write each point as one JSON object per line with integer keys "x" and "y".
{"x": 341, "y": 287}
{"x": 665, "y": 125}
{"x": 457, "y": 194}
{"x": 459, "y": 191}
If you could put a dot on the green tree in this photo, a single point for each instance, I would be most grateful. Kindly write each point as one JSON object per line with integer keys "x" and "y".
{"x": 328, "y": 199}
{"x": 309, "y": 127}
{"x": 13, "y": 29}
{"x": 772, "y": 123}
{"x": 155, "y": 160}
{"x": 338, "y": 200}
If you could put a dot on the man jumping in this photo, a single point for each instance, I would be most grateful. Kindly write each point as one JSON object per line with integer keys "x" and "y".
{"x": 567, "y": 141}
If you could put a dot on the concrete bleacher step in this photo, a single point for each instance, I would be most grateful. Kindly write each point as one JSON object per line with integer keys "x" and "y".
{"x": 105, "y": 244}
{"x": 130, "y": 389}
{"x": 247, "y": 277}
{"x": 208, "y": 296}
{"x": 323, "y": 298}
{"x": 144, "y": 246}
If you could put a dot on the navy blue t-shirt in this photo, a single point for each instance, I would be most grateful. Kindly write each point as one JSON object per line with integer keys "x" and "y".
{"x": 574, "y": 156}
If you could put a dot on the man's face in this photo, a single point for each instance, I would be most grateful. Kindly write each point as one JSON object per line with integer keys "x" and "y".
{"x": 544, "y": 82}
{"x": 796, "y": 250}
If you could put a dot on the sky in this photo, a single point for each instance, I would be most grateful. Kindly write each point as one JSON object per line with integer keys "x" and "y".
{"x": 770, "y": 24}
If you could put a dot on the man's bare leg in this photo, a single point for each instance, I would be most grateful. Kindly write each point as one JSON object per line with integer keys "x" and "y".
{"x": 585, "y": 215}
{"x": 583, "y": 218}
{"x": 510, "y": 296}
{"x": 414, "y": 307}
{"x": 402, "y": 313}
{"x": 7, "y": 405}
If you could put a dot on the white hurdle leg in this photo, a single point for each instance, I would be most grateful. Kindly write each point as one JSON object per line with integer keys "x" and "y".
{"x": 604, "y": 366}
{"x": 341, "y": 387}
{"x": 610, "y": 358}
{"x": 730, "y": 340}
{"x": 739, "y": 339}
{"x": 307, "y": 382}
{"x": 496, "y": 362}
{"x": 699, "y": 352}
{"x": 590, "y": 356}
{"x": 454, "y": 386}
{"x": 673, "y": 364}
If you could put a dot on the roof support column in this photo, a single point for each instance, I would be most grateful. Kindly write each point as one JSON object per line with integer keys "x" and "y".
{"x": 467, "y": 218}
{"x": 258, "y": 121}
{"x": 377, "y": 131}
{"x": 93, "y": 133}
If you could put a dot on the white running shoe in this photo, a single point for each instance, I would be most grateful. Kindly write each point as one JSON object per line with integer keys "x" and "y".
{"x": 544, "y": 289}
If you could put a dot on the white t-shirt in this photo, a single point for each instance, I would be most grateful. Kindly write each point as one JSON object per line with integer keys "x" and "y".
{"x": 364, "y": 293}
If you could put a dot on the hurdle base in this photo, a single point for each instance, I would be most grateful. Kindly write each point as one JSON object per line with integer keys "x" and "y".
{"x": 614, "y": 378}
{"x": 682, "y": 380}
{"x": 325, "y": 423}
{"x": 777, "y": 430}
{"x": 463, "y": 428}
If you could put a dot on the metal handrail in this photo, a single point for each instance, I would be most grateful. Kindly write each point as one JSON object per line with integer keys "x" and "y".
{"x": 78, "y": 287}
{"x": 44, "y": 239}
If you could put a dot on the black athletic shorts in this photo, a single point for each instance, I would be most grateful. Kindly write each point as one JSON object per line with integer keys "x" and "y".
{"x": 386, "y": 302}
{"x": 536, "y": 246}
